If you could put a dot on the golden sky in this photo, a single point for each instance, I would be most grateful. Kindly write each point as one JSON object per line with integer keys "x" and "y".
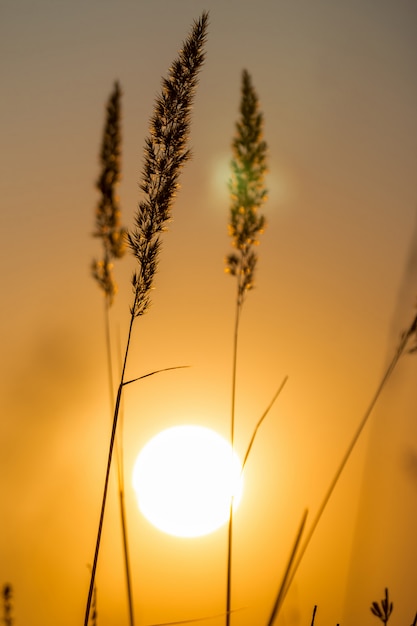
{"x": 334, "y": 290}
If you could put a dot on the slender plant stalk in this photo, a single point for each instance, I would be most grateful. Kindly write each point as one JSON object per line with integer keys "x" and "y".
{"x": 120, "y": 480}
{"x": 194, "y": 620}
{"x": 245, "y": 225}
{"x": 263, "y": 416}
{"x": 94, "y": 612}
{"x": 314, "y": 615}
{"x": 411, "y": 333}
{"x": 112, "y": 235}
{"x": 281, "y": 591}
{"x": 166, "y": 152}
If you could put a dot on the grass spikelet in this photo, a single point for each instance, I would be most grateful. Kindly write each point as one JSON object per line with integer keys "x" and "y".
{"x": 166, "y": 152}
{"x": 108, "y": 227}
{"x": 247, "y": 189}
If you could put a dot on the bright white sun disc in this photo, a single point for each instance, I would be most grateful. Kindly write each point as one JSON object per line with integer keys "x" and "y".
{"x": 184, "y": 479}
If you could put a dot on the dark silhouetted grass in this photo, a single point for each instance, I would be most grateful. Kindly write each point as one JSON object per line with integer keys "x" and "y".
{"x": 166, "y": 152}
{"x": 248, "y": 193}
{"x": 112, "y": 236}
{"x": 383, "y": 609}
{"x": 410, "y": 335}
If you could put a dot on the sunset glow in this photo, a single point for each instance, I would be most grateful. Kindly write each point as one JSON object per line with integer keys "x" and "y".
{"x": 334, "y": 290}
{"x": 184, "y": 479}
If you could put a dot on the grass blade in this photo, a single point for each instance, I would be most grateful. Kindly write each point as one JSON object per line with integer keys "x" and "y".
{"x": 283, "y": 587}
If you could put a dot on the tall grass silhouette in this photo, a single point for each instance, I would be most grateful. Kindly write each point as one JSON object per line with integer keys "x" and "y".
{"x": 248, "y": 194}
{"x": 112, "y": 236}
{"x": 166, "y": 152}
{"x": 245, "y": 225}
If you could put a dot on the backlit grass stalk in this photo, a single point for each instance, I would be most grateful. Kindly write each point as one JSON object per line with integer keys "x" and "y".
{"x": 281, "y": 591}
{"x": 112, "y": 236}
{"x": 404, "y": 345}
{"x": 263, "y": 416}
{"x": 247, "y": 193}
{"x": 166, "y": 151}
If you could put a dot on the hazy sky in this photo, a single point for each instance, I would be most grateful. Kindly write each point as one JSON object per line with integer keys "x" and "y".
{"x": 337, "y": 86}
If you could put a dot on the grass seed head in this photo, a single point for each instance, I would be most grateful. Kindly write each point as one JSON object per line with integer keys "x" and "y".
{"x": 246, "y": 187}
{"x": 166, "y": 152}
{"x": 108, "y": 227}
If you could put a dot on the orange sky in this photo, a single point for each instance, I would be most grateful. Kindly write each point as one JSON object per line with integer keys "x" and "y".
{"x": 337, "y": 86}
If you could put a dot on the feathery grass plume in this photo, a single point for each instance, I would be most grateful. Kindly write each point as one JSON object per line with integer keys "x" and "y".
{"x": 247, "y": 193}
{"x": 108, "y": 227}
{"x": 7, "y": 594}
{"x": 247, "y": 189}
{"x": 166, "y": 152}
{"x": 383, "y": 611}
{"x": 112, "y": 236}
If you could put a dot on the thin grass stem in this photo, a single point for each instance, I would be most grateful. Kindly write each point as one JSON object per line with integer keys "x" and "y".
{"x": 120, "y": 473}
{"x": 399, "y": 352}
{"x": 164, "y": 369}
{"x": 232, "y": 439}
{"x": 265, "y": 413}
{"x": 194, "y": 620}
{"x": 112, "y": 236}
{"x": 245, "y": 225}
{"x": 166, "y": 152}
{"x": 281, "y": 591}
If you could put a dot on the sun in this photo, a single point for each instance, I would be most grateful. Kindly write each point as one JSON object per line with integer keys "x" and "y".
{"x": 185, "y": 478}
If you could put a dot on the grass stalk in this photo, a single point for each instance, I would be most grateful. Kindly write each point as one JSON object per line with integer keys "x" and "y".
{"x": 194, "y": 620}
{"x": 245, "y": 224}
{"x": 112, "y": 235}
{"x": 166, "y": 152}
{"x": 282, "y": 589}
{"x": 120, "y": 478}
{"x": 404, "y": 341}
{"x": 263, "y": 416}
{"x": 232, "y": 439}
{"x": 313, "y": 617}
